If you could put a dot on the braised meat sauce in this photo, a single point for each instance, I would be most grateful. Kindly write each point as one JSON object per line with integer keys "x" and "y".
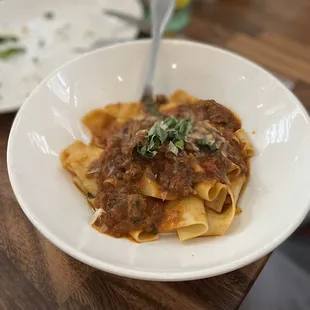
{"x": 120, "y": 170}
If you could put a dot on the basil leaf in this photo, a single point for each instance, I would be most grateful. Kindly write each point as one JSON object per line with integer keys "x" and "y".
{"x": 169, "y": 122}
{"x": 179, "y": 144}
{"x": 144, "y": 151}
{"x": 172, "y": 133}
{"x": 154, "y": 143}
{"x": 183, "y": 128}
{"x": 209, "y": 143}
{"x": 141, "y": 149}
{"x": 203, "y": 142}
{"x": 214, "y": 147}
{"x": 157, "y": 130}
{"x": 172, "y": 148}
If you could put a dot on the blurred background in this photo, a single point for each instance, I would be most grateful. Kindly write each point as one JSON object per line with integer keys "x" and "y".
{"x": 37, "y": 37}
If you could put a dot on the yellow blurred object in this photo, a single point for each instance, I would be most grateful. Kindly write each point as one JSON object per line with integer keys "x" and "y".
{"x": 180, "y": 4}
{"x": 170, "y": 35}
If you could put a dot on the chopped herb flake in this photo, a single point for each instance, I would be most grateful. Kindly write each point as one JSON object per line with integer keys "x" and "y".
{"x": 90, "y": 196}
{"x": 179, "y": 144}
{"x": 172, "y": 148}
{"x": 154, "y": 143}
{"x": 5, "y": 54}
{"x": 145, "y": 151}
{"x": 8, "y": 38}
{"x": 159, "y": 132}
{"x": 169, "y": 122}
{"x": 208, "y": 143}
{"x": 183, "y": 128}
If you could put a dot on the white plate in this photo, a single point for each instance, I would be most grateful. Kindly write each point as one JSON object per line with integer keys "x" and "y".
{"x": 275, "y": 201}
{"x": 51, "y": 43}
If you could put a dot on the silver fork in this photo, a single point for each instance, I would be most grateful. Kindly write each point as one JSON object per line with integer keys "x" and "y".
{"x": 161, "y": 12}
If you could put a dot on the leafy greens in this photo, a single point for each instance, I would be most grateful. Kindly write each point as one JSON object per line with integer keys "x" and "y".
{"x": 170, "y": 129}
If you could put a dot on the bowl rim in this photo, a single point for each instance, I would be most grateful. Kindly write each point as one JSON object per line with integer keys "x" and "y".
{"x": 125, "y": 271}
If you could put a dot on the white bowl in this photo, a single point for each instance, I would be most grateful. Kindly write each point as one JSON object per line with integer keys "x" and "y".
{"x": 274, "y": 203}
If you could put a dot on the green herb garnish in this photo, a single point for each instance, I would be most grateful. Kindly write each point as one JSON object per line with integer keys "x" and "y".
{"x": 170, "y": 129}
{"x": 159, "y": 132}
{"x": 183, "y": 128}
{"x": 207, "y": 143}
{"x": 90, "y": 196}
{"x": 169, "y": 122}
{"x": 172, "y": 148}
{"x": 8, "y": 38}
{"x": 5, "y": 54}
{"x": 179, "y": 144}
{"x": 145, "y": 151}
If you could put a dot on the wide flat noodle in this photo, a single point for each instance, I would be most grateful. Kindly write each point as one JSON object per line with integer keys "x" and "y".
{"x": 97, "y": 121}
{"x": 179, "y": 97}
{"x": 233, "y": 170}
{"x": 214, "y": 193}
{"x": 220, "y": 222}
{"x": 245, "y": 142}
{"x": 123, "y": 111}
{"x": 151, "y": 188}
{"x": 100, "y": 121}
{"x": 78, "y": 158}
{"x": 141, "y": 236}
{"x": 236, "y": 186}
{"x": 187, "y": 216}
{"x": 182, "y": 97}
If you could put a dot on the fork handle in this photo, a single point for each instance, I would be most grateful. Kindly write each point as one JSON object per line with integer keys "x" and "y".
{"x": 161, "y": 12}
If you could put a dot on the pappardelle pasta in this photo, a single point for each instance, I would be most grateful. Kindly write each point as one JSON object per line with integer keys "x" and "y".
{"x": 174, "y": 164}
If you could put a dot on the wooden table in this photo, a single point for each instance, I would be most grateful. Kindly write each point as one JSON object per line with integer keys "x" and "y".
{"x": 34, "y": 274}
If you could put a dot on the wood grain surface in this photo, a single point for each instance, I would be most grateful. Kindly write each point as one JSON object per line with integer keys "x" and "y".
{"x": 36, "y": 275}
